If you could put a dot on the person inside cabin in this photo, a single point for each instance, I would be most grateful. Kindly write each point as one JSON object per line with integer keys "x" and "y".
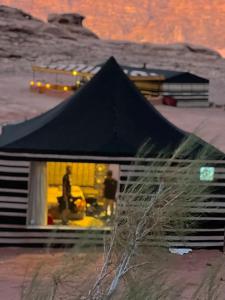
{"x": 66, "y": 189}
{"x": 110, "y": 188}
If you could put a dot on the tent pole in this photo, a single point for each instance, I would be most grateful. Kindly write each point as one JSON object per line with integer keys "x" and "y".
{"x": 224, "y": 240}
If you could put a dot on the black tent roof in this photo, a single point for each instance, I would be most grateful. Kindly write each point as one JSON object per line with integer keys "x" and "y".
{"x": 106, "y": 117}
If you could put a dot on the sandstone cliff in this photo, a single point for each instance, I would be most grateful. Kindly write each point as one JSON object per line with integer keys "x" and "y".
{"x": 25, "y": 40}
{"x": 156, "y": 21}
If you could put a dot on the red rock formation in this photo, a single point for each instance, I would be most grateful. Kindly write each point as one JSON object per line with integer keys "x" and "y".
{"x": 25, "y": 40}
{"x": 165, "y": 21}
{"x": 66, "y": 19}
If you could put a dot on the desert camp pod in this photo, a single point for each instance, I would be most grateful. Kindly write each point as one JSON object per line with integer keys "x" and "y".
{"x": 170, "y": 87}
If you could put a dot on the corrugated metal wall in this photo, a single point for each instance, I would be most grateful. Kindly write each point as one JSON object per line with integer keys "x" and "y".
{"x": 14, "y": 187}
{"x": 207, "y": 214}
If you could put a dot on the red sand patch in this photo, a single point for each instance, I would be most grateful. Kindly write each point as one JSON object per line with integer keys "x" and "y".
{"x": 18, "y": 265}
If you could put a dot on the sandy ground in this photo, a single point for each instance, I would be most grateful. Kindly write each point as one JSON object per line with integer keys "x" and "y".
{"x": 17, "y": 267}
{"x": 18, "y": 103}
{"x": 208, "y": 123}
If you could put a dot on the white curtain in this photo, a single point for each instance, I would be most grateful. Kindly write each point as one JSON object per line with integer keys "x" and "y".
{"x": 37, "y": 210}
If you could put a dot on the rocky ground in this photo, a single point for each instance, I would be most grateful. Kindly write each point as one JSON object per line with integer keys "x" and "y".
{"x": 156, "y": 21}
{"x": 25, "y": 40}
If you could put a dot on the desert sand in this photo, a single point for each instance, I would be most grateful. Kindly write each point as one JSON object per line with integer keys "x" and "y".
{"x": 17, "y": 266}
{"x": 18, "y": 103}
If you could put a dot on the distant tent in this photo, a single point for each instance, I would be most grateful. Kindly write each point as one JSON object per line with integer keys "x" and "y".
{"x": 185, "y": 88}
